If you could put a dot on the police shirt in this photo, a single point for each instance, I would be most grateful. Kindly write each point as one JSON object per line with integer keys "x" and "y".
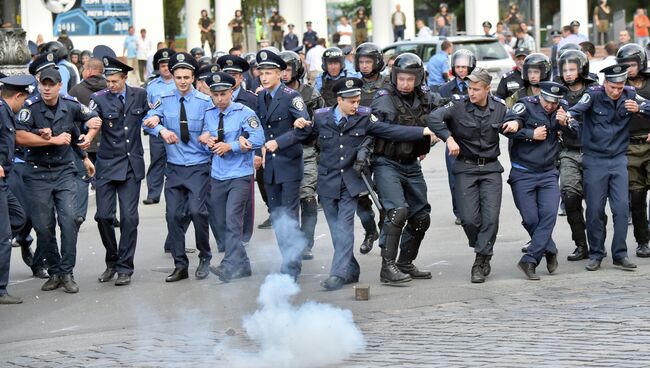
{"x": 604, "y": 129}
{"x": 245, "y": 97}
{"x": 157, "y": 88}
{"x": 238, "y": 120}
{"x": 196, "y": 103}
{"x": 36, "y": 115}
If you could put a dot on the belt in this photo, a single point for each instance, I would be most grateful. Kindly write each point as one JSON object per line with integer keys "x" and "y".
{"x": 480, "y": 161}
{"x": 638, "y": 140}
{"x": 48, "y": 165}
{"x": 407, "y": 161}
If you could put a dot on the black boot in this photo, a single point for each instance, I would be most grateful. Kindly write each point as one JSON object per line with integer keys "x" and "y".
{"x": 581, "y": 252}
{"x": 405, "y": 264}
{"x": 368, "y": 240}
{"x": 308, "y": 218}
{"x": 639, "y": 214}
{"x": 416, "y": 228}
{"x": 486, "y": 265}
{"x": 26, "y": 254}
{"x": 477, "y": 269}
{"x": 642, "y": 251}
{"x": 389, "y": 273}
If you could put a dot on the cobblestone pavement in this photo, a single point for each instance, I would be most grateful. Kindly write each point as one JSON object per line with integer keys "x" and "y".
{"x": 585, "y": 321}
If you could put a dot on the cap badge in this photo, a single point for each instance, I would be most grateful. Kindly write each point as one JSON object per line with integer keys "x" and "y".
{"x": 180, "y": 57}
{"x": 50, "y": 57}
{"x": 165, "y": 54}
{"x": 106, "y": 61}
{"x": 216, "y": 78}
{"x": 617, "y": 69}
{"x": 349, "y": 83}
{"x": 263, "y": 55}
{"x": 555, "y": 89}
{"x": 214, "y": 69}
{"x": 229, "y": 62}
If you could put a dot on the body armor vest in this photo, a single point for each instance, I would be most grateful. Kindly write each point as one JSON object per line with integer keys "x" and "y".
{"x": 369, "y": 90}
{"x": 639, "y": 125}
{"x": 327, "y": 91}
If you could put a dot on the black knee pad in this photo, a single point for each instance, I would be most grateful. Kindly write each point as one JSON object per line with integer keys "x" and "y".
{"x": 397, "y": 220}
{"x": 309, "y": 205}
{"x": 419, "y": 223}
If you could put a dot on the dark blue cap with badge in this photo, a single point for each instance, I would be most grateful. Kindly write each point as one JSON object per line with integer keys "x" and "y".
{"x": 112, "y": 66}
{"x": 220, "y": 82}
{"x": 183, "y": 60}
{"x": 21, "y": 83}
{"x": 233, "y": 64}
{"x": 162, "y": 56}
{"x": 348, "y": 87}
{"x": 487, "y": 24}
{"x": 521, "y": 51}
{"x": 205, "y": 71}
{"x": 51, "y": 74}
{"x": 46, "y": 60}
{"x": 267, "y": 59}
{"x": 616, "y": 73}
{"x": 556, "y": 33}
{"x": 552, "y": 91}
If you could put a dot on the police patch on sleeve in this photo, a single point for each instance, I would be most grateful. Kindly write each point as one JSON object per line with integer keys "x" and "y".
{"x": 449, "y": 104}
{"x": 253, "y": 122}
{"x": 24, "y": 115}
{"x": 85, "y": 109}
{"x": 373, "y": 118}
{"x": 585, "y": 98}
{"x": 154, "y": 105}
{"x": 298, "y": 103}
{"x": 92, "y": 105}
{"x": 519, "y": 108}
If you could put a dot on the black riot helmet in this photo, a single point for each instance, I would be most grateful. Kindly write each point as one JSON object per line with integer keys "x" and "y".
{"x": 632, "y": 52}
{"x": 250, "y": 59}
{"x": 57, "y": 49}
{"x": 577, "y": 57}
{"x": 331, "y": 55}
{"x": 293, "y": 60}
{"x": 197, "y": 51}
{"x": 407, "y": 63}
{"x": 566, "y": 47}
{"x": 372, "y": 51}
{"x": 463, "y": 57}
{"x": 537, "y": 61}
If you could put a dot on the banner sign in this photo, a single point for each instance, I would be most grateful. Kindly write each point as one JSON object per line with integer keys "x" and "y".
{"x": 90, "y": 17}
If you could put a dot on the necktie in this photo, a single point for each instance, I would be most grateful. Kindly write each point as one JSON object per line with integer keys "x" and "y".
{"x": 220, "y": 129}
{"x": 121, "y": 100}
{"x": 185, "y": 131}
{"x": 343, "y": 121}
{"x": 461, "y": 86}
{"x": 267, "y": 100}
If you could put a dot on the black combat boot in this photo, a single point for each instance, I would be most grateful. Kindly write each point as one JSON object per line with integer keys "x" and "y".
{"x": 486, "y": 265}
{"x": 389, "y": 273}
{"x": 416, "y": 228}
{"x": 477, "y": 269}
{"x": 581, "y": 252}
{"x": 368, "y": 240}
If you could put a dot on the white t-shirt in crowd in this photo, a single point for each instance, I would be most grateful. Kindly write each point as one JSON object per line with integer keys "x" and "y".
{"x": 345, "y": 39}
{"x": 144, "y": 48}
{"x": 313, "y": 58}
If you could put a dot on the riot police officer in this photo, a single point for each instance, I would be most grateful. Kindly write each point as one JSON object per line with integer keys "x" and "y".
{"x": 15, "y": 91}
{"x": 605, "y": 112}
{"x": 534, "y": 177}
{"x": 369, "y": 62}
{"x": 470, "y": 125}
{"x": 397, "y": 171}
{"x": 333, "y": 66}
{"x": 232, "y": 170}
{"x": 292, "y": 77}
{"x": 512, "y": 81}
{"x": 182, "y": 113}
{"x": 340, "y": 130}
{"x": 120, "y": 167}
{"x": 638, "y": 151}
{"x": 574, "y": 74}
{"x": 536, "y": 69}
{"x": 278, "y": 106}
{"x": 46, "y": 126}
{"x": 197, "y": 53}
{"x": 156, "y": 88}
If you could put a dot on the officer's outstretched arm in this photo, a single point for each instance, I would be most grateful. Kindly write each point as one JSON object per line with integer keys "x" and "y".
{"x": 578, "y": 110}
{"x": 438, "y": 121}
{"x": 516, "y": 117}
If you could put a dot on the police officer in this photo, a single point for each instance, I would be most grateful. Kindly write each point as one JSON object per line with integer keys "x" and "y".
{"x": 397, "y": 171}
{"x": 120, "y": 167}
{"x": 333, "y": 66}
{"x": 156, "y": 88}
{"x": 512, "y": 81}
{"x": 232, "y": 170}
{"x": 178, "y": 120}
{"x": 197, "y": 53}
{"x": 470, "y": 125}
{"x": 236, "y": 66}
{"x": 574, "y": 74}
{"x": 251, "y": 78}
{"x": 340, "y": 130}
{"x": 278, "y": 106}
{"x": 534, "y": 176}
{"x": 536, "y": 69}
{"x": 15, "y": 91}
{"x": 369, "y": 62}
{"x": 202, "y": 74}
{"x": 605, "y": 112}
{"x": 638, "y": 151}
{"x": 46, "y": 126}
{"x": 292, "y": 77}
{"x": 462, "y": 63}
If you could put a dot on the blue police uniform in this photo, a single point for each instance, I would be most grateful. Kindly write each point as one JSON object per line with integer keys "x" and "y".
{"x": 50, "y": 179}
{"x": 283, "y": 168}
{"x": 187, "y": 172}
{"x": 120, "y": 169}
{"x": 534, "y": 175}
{"x": 339, "y": 185}
{"x": 157, "y": 88}
{"x": 605, "y": 137}
{"x": 232, "y": 180}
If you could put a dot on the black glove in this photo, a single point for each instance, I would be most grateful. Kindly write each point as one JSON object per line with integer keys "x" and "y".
{"x": 360, "y": 167}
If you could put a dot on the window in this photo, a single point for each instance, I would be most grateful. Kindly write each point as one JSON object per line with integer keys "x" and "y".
{"x": 484, "y": 50}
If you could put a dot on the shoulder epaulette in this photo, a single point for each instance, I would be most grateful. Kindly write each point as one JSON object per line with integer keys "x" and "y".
{"x": 381, "y": 92}
{"x": 30, "y": 101}
{"x": 69, "y": 98}
{"x": 100, "y": 92}
{"x": 458, "y": 97}
{"x": 202, "y": 96}
{"x": 364, "y": 110}
{"x": 323, "y": 110}
{"x": 288, "y": 90}
{"x": 498, "y": 99}
{"x": 531, "y": 99}
{"x": 630, "y": 88}
{"x": 595, "y": 88}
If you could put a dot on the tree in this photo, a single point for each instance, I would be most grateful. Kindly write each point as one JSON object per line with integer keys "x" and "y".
{"x": 171, "y": 11}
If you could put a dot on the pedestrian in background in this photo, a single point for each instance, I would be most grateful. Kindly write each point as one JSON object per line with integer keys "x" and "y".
{"x": 641, "y": 24}
{"x": 344, "y": 30}
{"x": 601, "y": 21}
{"x": 398, "y": 20}
{"x": 207, "y": 33}
{"x": 438, "y": 66}
{"x": 130, "y": 51}
{"x": 236, "y": 25}
{"x": 145, "y": 46}
{"x": 276, "y": 22}
{"x": 360, "y": 27}
{"x": 290, "y": 41}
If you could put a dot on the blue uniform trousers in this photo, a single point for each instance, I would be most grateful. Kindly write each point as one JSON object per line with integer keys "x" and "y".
{"x": 5, "y": 236}
{"x": 127, "y": 191}
{"x": 451, "y": 178}
{"x": 284, "y": 203}
{"x": 606, "y": 178}
{"x": 81, "y": 180}
{"x": 187, "y": 185}
{"x": 249, "y": 215}
{"x": 156, "y": 170}
{"x": 17, "y": 187}
{"x": 228, "y": 201}
{"x": 340, "y": 219}
{"x": 53, "y": 190}
{"x": 537, "y": 196}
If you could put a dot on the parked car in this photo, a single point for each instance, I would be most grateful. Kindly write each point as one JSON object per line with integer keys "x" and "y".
{"x": 490, "y": 54}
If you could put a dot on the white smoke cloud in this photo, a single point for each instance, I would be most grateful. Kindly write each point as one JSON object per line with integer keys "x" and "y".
{"x": 310, "y": 335}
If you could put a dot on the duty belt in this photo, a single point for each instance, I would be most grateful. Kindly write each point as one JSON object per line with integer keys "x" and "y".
{"x": 50, "y": 165}
{"x": 479, "y": 161}
{"x": 643, "y": 140}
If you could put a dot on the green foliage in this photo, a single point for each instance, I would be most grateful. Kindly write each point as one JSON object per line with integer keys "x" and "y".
{"x": 173, "y": 24}
{"x": 350, "y": 8}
